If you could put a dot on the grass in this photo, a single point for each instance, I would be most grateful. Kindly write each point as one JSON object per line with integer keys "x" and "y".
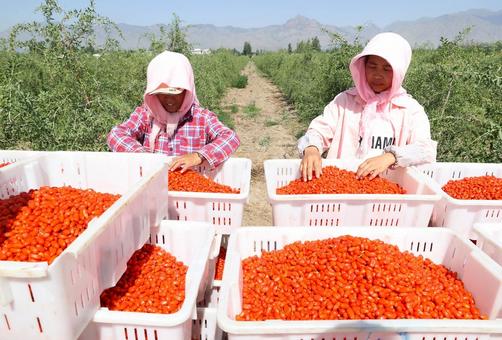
{"x": 251, "y": 110}
{"x": 264, "y": 142}
{"x": 271, "y": 122}
{"x": 226, "y": 118}
{"x": 300, "y": 133}
{"x": 240, "y": 82}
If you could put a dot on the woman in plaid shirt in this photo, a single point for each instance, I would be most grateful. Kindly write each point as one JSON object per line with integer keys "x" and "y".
{"x": 171, "y": 121}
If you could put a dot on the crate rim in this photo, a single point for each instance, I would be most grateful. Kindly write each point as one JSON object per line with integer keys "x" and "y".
{"x": 209, "y": 195}
{"x": 276, "y": 327}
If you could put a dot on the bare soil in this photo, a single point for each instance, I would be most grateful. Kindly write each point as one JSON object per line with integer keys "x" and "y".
{"x": 266, "y": 126}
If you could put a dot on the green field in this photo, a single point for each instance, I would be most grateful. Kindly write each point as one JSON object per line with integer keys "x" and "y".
{"x": 56, "y": 94}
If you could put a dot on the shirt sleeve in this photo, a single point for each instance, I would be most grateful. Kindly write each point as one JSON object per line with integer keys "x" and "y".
{"x": 420, "y": 148}
{"x": 126, "y": 136}
{"x": 222, "y": 141}
{"x": 321, "y": 130}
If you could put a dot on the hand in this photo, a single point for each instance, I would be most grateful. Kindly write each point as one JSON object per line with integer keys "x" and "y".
{"x": 311, "y": 163}
{"x": 185, "y": 162}
{"x": 374, "y": 166}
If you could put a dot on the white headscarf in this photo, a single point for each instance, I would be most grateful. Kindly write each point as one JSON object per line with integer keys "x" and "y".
{"x": 397, "y": 52}
{"x": 168, "y": 69}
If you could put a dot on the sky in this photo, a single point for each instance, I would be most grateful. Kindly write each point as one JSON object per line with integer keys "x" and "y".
{"x": 255, "y": 13}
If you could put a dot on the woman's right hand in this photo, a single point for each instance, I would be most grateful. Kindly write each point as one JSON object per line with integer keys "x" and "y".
{"x": 311, "y": 163}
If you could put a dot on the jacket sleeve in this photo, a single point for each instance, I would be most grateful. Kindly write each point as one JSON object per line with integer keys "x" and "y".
{"x": 419, "y": 148}
{"x": 222, "y": 141}
{"x": 321, "y": 130}
{"x": 126, "y": 136}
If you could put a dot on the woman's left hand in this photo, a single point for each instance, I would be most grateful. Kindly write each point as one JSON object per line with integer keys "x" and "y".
{"x": 185, "y": 162}
{"x": 374, "y": 166}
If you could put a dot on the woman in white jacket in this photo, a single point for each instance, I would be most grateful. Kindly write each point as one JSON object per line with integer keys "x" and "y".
{"x": 376, "y": 120}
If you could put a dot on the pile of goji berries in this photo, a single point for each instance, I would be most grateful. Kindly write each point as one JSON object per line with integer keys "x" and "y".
{"x": 154, "y": 282}
{"x": 475, "y": 188}
{"x": 220, "y": 264}
{"x": 350, "y": 278}
{"x": 338, "y": 181}
{"x": 4, "y": 164}
{"x": 193, "y": 181}
{"x": 38, "y": 225}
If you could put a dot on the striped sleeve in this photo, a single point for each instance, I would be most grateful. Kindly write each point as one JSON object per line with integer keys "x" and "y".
{"x": 128, "y": 136}
{"x": 222, "y": 141}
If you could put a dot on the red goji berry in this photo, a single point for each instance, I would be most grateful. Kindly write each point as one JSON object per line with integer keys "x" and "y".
{"x": 350, "y": 278}
{"x": 38, "y": 225}
{"x": 220, "y": 264}
{"x": 193, "y": 181}
{"x": 154, "y": 282}
{"x": 475, "y": 188}
{"x": 338, "y": 181}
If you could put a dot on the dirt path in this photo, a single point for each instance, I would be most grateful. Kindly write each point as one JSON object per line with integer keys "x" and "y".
{"x": 266, "y": 126}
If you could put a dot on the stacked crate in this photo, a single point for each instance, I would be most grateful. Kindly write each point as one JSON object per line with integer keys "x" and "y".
{"x": 332, "y": 210}
{"x": 459, "y": 214}
{"x": 480, "y": 275}
{"x": 189, "y": 242}
{"x": 56, "y": 301}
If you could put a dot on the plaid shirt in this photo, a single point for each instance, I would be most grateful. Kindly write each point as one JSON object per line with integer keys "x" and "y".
{"x": 199, "y": 130}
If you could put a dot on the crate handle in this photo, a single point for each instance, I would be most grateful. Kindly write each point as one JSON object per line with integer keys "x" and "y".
{"x": 215, "y": 246}
{"x": 194, "y": 312}
{"x": 5, "y": 292}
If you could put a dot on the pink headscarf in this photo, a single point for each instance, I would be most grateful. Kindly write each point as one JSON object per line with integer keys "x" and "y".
{"x": 397, "y": 52}
{"x": 174, "y": 70}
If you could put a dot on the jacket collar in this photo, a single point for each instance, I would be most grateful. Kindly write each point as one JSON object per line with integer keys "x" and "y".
{"x": 402, "y": 101}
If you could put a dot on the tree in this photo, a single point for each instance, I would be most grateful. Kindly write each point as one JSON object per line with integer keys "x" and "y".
{"x": 302, "y": 46}
{"x": 64, "y": 33}
{"x": 316, "y": 45}
{"x": 290, "y": 49}
{"x": 173, "y": 40}
{"x": 247, "y": 49}
{"x": 177, "y": 38}
{"x": 158, "y": 44}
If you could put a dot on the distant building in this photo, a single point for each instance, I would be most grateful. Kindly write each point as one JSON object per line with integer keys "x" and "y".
{"x": 201, "y": 51}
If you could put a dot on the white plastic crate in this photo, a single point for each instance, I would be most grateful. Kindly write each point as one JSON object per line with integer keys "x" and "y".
{"x": 16, "y": 156}
{"x": 215, "y": 287}
{"x": 203, "y": 327}
{"x": 489, "y": 239}
{"x": 206, "y": 326}
{"x": 209, "y": 280}
{"x": 480, "y": 275}
{"x": 211, "y": 296}
{"x": 412, "y": 209}
{"x": 224, "y": 211}
{"x": 190, "y": 244}
{"x": 57, "y": 301}
{"x": 462, "y": 214}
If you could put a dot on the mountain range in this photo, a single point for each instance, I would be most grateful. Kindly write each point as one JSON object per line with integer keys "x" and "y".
{"x": 485, "y": 26}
